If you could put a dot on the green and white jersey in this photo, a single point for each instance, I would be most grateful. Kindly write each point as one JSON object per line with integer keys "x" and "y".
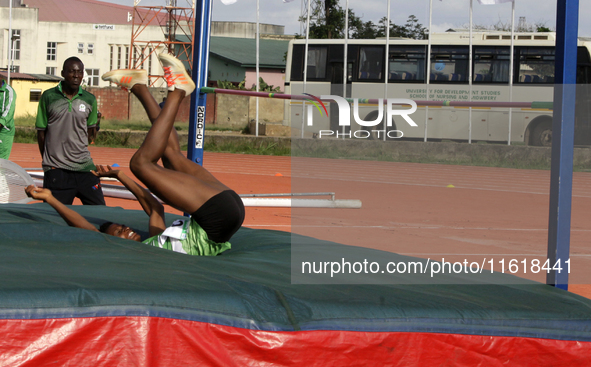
{"x": 66, "y": 125}
{"x": 187, "y": 237}
{"x": 7, "y": 104}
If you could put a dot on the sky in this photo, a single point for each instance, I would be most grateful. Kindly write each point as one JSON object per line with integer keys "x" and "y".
{"x": 446, "y": 13}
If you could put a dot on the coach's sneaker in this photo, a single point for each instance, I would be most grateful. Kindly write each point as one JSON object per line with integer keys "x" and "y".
{"x": 126, "y": 78}
{"x": 175, "y": 74}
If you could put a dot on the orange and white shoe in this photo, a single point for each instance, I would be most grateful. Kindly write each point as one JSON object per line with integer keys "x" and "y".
{"x": 175, "y": 74}
{"x": 126, "y": 78}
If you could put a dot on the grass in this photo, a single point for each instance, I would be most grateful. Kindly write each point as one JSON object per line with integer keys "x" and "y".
{"x": 138, "y": 125}
{"x": 104, "y": 139}
{"x": 28, "y": 136}
{"x": 125, "y": 125}
{"x": 27, "y": 121}
{"x": 262, "y": 148}
{"x": 118, "y": 133}
{"x": 133, "y": 125}
{"x": 384, "y": 156}
{"x": 485, "y": 155}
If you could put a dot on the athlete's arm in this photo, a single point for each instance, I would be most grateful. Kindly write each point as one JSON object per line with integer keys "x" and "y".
{"x": 41, "y": 123}
{"x": 71, "y": 217}
{"x": 149, "y": 203}
{"x": 91, "y": 134}
{"x": 41, "y": 141}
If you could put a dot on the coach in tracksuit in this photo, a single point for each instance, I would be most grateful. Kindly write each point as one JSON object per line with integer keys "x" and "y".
{"x": 7, "y": 102}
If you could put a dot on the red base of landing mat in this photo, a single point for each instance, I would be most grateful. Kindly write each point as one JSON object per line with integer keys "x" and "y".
{"x": 151, "y": 341}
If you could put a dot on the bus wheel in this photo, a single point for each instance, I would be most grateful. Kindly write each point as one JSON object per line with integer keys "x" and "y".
{"x": 543, "y": 134}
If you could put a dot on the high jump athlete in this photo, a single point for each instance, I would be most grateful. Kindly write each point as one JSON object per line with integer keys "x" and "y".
{"x": 217, "y": 211}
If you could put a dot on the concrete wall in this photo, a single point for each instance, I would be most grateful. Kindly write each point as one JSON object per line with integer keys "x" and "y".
{"x": 237, "y": 111}
{"x": 231, "y": 111}
{"x": 136, "y": 110}
{"x": 270, "y": 110}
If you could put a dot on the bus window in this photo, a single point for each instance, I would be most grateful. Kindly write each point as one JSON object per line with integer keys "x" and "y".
{"x": 316, "y": 62}
{"x": 583, "y": 74}
{"x": 406, "y": 63}
{"x": 371, "y": 59}
{"x": 449, "y": 64}
{"x": 491, "y": 65}
{"x": 583, "y": 66}
{"x": 536, "y": 65}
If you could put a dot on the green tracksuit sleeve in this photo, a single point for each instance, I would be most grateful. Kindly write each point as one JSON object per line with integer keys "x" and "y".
{"x": 8, "y": 104}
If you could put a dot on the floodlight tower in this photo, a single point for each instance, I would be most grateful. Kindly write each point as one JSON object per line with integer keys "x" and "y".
{"x": 176, "y": 19}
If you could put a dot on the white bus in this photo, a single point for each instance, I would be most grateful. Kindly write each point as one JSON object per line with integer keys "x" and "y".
{"x": 533, "y": 81}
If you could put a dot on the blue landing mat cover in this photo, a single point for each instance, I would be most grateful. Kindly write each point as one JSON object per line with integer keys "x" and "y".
{"x": 50, "y": 270}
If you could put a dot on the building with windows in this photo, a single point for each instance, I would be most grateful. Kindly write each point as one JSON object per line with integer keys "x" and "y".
{"x": 28, "y": 88}
{"x": 46, "y": 32}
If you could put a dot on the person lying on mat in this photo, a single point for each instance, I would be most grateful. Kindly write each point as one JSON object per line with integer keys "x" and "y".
{"x": 218, "y": 212}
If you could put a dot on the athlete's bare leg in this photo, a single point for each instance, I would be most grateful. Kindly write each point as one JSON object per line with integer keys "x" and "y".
{"x": 182, "y": 183}
{"x": 172, "y": 158}
{"x": 182, "y": 190}
{"x": 152, "y": 108}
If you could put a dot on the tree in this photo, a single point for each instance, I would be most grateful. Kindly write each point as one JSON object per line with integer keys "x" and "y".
{"x": 333, "y": 17}
{"x": 364, "y": 30}
{"x": 542, "y": 28}
{"x": 412, "y": 29}
{"x": 327, "y": 20}
{"x": 359, "y": 29}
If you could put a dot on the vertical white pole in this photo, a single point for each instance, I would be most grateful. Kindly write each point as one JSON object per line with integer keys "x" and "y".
{"x": 301, "y": 11}
{"x": 470, "y": 78}
{"x": 257, "y": 69}
{"x": 9, "y": 40}
{"x": 428, "y": 61}
{"x": 306, "y": 63}
{"x": 386, "y": 71}
{"x": 346, "y": 50}
{"x": 511, "y": 59}
{"x": 346, "y": 46}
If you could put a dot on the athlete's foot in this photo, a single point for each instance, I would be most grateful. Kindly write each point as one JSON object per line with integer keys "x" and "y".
{"x": 176, "y": 74}
{"x": 126, "y": 78}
